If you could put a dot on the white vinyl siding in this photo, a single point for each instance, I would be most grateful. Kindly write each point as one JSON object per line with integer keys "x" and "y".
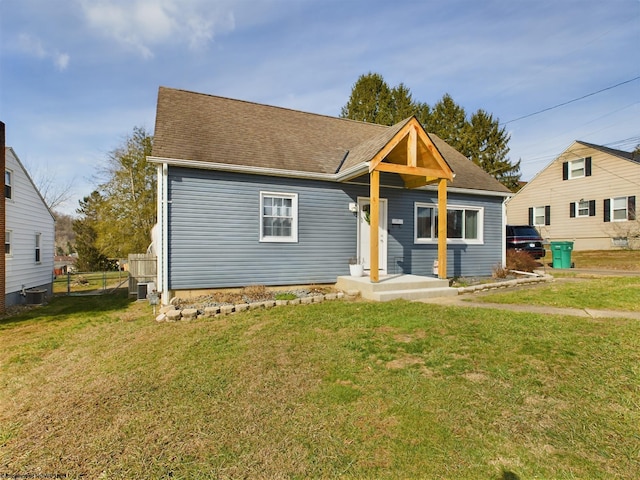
{"x": 26, "y": 216}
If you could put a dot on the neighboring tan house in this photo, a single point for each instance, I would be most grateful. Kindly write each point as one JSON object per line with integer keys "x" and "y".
{"x": 254, "y": 194}
{"x": 29, "y": 234}
{"x": 587, "y": 195}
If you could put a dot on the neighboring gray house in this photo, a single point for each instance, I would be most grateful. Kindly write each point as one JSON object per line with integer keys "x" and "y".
{"x": 29, "y": 234}
{"x": 254, "y": 194}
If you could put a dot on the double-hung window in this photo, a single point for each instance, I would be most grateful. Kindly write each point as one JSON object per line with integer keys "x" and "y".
{"x": 278, "y": 217}
{"x": 38, "y": 238}
{"x": 540, "y": 216}
{"x": 576, "y": 168}
{"x": 8, "y": 188}
{"x": 619, "y": 209}
{"x": 7, "y": 243}
{"x": 582, "y": 208}
{"x": 464, "y": 224}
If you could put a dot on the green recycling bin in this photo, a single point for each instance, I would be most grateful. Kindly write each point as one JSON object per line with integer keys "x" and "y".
{"x": 561, "y": 254}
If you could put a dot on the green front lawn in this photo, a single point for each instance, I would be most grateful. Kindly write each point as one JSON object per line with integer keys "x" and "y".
{"x": 95, "y": 387}
{"x": 604, "y": 293}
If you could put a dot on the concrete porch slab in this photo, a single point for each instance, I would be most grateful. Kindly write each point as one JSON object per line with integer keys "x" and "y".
{"x": 391, "y": 287}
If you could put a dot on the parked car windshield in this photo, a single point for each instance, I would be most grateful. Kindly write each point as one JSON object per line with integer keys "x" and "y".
{"x": 525, "y": 231}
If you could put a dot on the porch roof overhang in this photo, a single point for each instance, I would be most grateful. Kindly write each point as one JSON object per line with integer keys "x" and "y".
{"x": 411, "y": 154}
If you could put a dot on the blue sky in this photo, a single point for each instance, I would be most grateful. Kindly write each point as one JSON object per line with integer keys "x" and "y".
{"x": 77, "y": 75}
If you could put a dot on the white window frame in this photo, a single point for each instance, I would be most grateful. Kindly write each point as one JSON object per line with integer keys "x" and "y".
{"x": 434, "y": 234}
{"x": 293, "y": 238}
{"x": 38, "y": 249}
{"x": 536, "y": 214}
{"x": 582, "y": 205}
{"x": 573, "y": 167}
{"x": 8, "y": 173}
{"x": 7, "y": 242}
{"x": 614, "y": 209}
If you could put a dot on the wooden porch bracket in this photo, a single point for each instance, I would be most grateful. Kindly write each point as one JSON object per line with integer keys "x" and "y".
{"x": 412, "y": 155}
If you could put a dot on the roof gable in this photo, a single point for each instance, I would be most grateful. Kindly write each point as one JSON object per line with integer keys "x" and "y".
{"x": 10, "y": 151}
{"x": 206, "y": 129}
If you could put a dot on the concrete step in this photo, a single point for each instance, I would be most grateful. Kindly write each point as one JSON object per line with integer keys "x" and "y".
{"x": 390, "y": 287}
{"x": 411, "y": 294}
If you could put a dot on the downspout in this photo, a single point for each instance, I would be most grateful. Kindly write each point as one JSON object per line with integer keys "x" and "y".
{"x": 504, "y": 231}
{"x": 163, "y": 227}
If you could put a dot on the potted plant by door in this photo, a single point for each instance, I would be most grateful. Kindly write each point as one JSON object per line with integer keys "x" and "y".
{"x": 355, "y": 267}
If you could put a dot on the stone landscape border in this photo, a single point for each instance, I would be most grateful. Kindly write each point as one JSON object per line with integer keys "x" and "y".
{"x": 171, "y": 313}
{"x": 506, "y": 284}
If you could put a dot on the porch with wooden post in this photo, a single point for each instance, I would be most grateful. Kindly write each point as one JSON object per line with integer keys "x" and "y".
{"x": 411, "y": 154}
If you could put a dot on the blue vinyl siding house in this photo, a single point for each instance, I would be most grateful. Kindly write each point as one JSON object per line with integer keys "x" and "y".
{"x": 252, "y": 194}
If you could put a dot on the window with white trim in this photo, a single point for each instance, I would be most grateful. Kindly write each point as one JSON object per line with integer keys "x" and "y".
{"x": 619, "y": 211}
{"x": 576, "y": 168}
{"x": 8, "y": 187}
{"x": 464, "y": 224}
{"x": 538, "y": 216}
{"x": 278, "y": 217}
{"x": 38, "y": 238}
{"x": 582, "y": 208}
{"x": 7, "y": 243}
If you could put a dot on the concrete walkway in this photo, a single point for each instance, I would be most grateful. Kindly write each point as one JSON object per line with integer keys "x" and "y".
{"x": 467, "y": 300}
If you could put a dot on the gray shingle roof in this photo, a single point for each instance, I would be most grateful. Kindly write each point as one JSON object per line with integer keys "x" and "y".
{"x": 210, "y": 129}
{"x": 612, "y": 151}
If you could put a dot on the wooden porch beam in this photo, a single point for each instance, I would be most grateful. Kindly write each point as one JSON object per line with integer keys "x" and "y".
{"x": 374, "y": 225}
{"x": 420, "y": 181}
{"x": 442, "y": 228}
{"x": 407, "y": 170}
{"x": 412, "y": 147}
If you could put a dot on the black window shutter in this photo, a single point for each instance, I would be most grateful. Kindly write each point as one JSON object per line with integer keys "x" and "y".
{"x": 592, "y": 208}
{"x": 607, "y": 209}
{"x": 587, "y": 167}
{"x": 547, "y": 215}
{"x": 631, "y": 208}
{"x": 572, "y": 209}
{"x": 530, "y": 215}
{"x": 565, "y": 170}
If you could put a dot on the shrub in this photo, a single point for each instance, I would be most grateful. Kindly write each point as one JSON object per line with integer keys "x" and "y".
{"x": 520, "y": 260}
{"x": 499, "y": 271}
{"x": 256, "y": 293}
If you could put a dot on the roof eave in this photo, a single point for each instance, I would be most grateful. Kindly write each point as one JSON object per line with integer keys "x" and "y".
{"x": 348, "y": 174}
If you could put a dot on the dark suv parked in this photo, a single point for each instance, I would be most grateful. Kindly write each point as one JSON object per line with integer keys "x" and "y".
{"x": 525, "y": 238}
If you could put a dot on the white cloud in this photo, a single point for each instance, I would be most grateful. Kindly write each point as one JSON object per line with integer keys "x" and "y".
{"x": 32, "y": 45}
{"x": 143, "y": 25}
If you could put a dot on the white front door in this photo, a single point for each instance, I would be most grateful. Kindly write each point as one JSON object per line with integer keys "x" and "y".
{"x": 364, "y": 232}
